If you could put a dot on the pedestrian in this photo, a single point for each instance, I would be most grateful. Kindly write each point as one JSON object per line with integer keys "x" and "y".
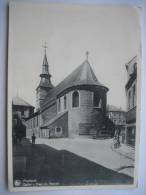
{"x": 117, "y": 138}
{"x": 33, "y": 137}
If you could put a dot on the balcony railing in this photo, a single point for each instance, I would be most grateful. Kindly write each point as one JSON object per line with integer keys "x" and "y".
{"x": 131, "y": 115}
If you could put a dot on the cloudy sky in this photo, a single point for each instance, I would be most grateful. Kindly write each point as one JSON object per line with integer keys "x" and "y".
{"x": 110, "y": 34}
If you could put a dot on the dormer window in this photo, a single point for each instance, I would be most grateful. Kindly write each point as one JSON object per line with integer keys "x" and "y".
{"x": 75, "y": 99}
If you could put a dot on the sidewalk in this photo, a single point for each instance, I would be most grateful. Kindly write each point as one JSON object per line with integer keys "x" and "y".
{"x": 126, "y": 151}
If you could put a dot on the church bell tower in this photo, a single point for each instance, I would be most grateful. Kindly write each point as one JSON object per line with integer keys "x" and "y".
{"x": 45, "y": 83}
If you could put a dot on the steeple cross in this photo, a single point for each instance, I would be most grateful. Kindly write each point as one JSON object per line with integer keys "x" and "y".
{"x": 45, "y": 46}
{"x": 87, "y": 54}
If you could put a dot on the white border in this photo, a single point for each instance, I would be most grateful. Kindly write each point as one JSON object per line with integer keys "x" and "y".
{"x": 141, "y": 190}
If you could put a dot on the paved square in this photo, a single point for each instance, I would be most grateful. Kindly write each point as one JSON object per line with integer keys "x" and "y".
{"x": 98, "y": 151}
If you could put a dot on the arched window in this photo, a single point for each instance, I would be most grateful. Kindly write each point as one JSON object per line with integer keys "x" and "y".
{"x": 65, "y": 102}
{"x": 75, "y": 99}
{"x": 97, "y": 100}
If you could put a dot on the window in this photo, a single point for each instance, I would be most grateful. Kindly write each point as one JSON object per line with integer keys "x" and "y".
{"x": 31, "y": 124}
{"x": 22, "y": 112}
{"x": 65, "y": 102}
{"x": 34, "y": 122}
{"x": 59, "y": 105}
{"x": 97, "y": 100}
{"x": 134, "y": 97}
{"x": 129, "y": 99}
{"x": 75, "y": 99}
{"x": 134, "y": 67}
{"x": 58, "y": 129}
{"x": 37, "y": 121}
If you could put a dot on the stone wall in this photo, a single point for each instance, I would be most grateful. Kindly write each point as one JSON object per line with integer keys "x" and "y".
{"x": 86, "y": 119}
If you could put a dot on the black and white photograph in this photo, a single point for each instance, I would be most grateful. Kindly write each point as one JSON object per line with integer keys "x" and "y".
{"x": 73, "y": 96}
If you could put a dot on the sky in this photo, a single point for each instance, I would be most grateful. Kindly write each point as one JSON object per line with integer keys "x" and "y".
{"x": 109, "y": 33}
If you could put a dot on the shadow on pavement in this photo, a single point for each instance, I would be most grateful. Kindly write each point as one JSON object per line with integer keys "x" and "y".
{"x": 44, "y": 165}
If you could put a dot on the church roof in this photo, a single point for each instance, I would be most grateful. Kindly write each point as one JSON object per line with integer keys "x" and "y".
{"x": 82, "y": 75}
{"x": 17, "y": 101}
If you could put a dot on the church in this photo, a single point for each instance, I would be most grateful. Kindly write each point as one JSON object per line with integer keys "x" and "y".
{"x": 75, "y": 107}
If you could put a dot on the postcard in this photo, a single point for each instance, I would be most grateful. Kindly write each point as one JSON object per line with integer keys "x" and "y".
{"x": 73, "y": 96}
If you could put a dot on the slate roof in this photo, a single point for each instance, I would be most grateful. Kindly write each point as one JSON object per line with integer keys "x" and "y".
{"x": 82, "y": 75}
{"x": 17, "y": 101}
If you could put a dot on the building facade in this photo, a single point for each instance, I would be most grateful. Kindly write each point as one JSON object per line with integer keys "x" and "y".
{"x": 131, "y": 89}
{"x": 21, "y": 111}
{"x": 75, "y": 107}
{"x": 33, "y": 124}
{"x": 118, "y": 117}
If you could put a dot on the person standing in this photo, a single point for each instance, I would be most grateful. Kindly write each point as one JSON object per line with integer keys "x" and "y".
{"x": 33, "y": 139}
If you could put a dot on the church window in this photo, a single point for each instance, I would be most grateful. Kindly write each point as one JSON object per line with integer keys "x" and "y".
{"x": 97, "y": 100}
{"x": 75, "y": 99}
{"x": 65, "y": 102}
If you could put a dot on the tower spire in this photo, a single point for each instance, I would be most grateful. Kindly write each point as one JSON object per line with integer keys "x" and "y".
{"x": 45, "y": 61}
{"x": 45, "y": 80}
{"x": 45, "y": 47}
{"x": 45, "y": 75}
